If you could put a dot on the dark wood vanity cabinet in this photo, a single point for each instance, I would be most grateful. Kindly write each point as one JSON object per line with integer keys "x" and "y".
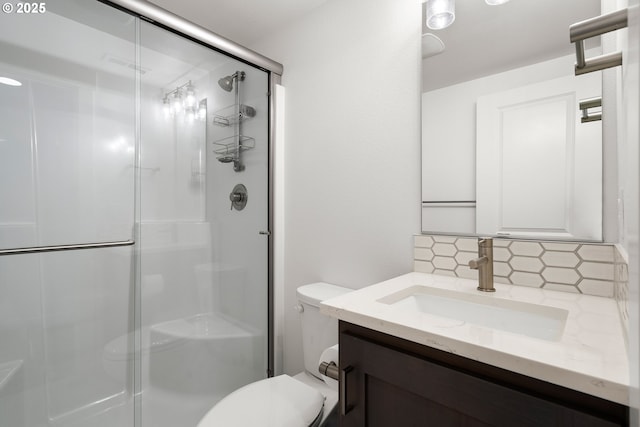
{"x": 390, "y": 382}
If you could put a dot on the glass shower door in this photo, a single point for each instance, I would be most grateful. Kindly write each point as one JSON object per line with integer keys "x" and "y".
{"x": 113, "y": 130}
{"x": 203, "y": 263}
{"x": 67, "y": 133}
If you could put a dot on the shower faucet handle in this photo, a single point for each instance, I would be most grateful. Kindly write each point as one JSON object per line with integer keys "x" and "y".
{"x": 235, "y": 198}
{"x": 238, "y": 197}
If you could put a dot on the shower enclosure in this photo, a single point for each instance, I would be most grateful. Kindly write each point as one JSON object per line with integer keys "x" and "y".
{"x": 135, "y": 267}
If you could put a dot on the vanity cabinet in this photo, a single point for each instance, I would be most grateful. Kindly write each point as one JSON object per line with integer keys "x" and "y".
{"x": 387, "y": 381}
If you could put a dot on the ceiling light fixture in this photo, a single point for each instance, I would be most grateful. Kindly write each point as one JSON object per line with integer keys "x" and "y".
{"x": 181, "y": 101}
{"x": 440, "y": 13}
{"x": 9, "y": 82}
{"x": 495, "y": 2}
{"x": 190, "y": 99}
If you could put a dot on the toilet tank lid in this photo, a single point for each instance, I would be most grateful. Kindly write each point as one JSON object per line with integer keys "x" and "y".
{"x": 315, "y": 293}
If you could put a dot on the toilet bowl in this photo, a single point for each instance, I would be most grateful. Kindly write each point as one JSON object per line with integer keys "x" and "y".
{"x": 284, "y": 401}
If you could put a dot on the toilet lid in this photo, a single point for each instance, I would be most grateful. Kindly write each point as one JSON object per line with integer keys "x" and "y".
{"x": 273, "y": 402}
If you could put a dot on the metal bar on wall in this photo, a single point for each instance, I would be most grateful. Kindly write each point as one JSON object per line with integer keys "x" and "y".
{"x": 592, "y": 27}
{"x": 59, "y": 248}
{"x": 585, "y": 105}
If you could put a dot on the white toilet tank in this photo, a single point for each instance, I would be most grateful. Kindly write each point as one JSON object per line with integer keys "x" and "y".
{"x": 318, "y": 331}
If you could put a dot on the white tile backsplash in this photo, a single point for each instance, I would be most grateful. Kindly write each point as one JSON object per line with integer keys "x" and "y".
{"x": 568, "y": 276}
{"x": 526, "y": 279}
{"x": 444, "y": 249}
{"x": 466, "y": 244}
{"x": 601, "y": 288}
{"x": 422, "y": 254}
{"x": 600, "y": 253}
{"x": 593, "y": 269}
{"x": 423, "y": 241}
{"x": 554, "y": 246}
{"x": 530, "y": 264}
{"x": 526, "y": 248}
{"x": 560, "y": 259}
{"x": 596, "y": 270}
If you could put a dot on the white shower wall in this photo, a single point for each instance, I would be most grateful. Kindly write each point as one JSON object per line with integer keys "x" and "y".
{"x": 237, "y": 232}
{"x": 174, "y": 236}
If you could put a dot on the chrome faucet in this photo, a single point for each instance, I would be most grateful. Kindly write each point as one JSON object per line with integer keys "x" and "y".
{"x": 484, "y": 264}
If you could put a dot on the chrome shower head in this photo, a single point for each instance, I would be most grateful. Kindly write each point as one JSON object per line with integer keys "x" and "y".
{"x": 226, "y": 83}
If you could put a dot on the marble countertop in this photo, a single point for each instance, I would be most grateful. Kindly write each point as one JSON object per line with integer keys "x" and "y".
{"x": 590, "y": 356}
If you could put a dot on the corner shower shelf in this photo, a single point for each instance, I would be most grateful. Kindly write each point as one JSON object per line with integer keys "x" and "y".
{"x": 233, "y": 114}
{"x": 228, "y": 148}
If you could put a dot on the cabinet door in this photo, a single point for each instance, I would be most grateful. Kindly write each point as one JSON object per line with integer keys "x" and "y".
{"x": 382, "y": 386}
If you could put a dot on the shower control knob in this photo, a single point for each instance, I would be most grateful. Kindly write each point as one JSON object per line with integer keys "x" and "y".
{"x": 238, "y": 197}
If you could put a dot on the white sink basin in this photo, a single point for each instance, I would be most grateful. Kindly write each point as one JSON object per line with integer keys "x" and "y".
{"x": 534, "y": 320}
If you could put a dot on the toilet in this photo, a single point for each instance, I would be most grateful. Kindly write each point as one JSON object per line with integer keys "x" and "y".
{"x": 284, "y": 401}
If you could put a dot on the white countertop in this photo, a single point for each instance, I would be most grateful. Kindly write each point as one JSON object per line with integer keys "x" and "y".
{"x": 590, "y": 356}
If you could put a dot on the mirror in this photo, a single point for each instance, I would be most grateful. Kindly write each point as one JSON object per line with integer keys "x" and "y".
{"x": 504, "y": 150}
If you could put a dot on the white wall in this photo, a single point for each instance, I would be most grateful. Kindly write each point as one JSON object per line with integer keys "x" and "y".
{"x": 627, "y": 86}
{"x": 621, "y": 102}
{"x": 352, "y": 75}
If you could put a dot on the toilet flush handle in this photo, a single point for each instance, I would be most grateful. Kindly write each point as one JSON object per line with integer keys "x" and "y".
{"x": 299, "y": 308}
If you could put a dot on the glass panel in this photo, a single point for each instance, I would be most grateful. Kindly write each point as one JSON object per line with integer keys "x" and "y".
{"x": 65, "y": 358}
{"x": 203, "y": 265}
{"x": 67, "y": 131}
{"x": 66, "y": 167}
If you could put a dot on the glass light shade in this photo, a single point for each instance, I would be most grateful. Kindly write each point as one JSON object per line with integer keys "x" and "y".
{"x": 495, "y": 2}
{"x": 190, "y": 98}
{"x": 440, "y": 13}
{"x": 176, "y": 103}
{"x": 202, "y": 110}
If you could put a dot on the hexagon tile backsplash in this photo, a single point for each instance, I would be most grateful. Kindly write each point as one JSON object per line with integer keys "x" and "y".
{"x": 570, "y": 267}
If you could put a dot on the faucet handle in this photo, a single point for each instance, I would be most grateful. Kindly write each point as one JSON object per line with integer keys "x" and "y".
{"x": 477, "y": 262}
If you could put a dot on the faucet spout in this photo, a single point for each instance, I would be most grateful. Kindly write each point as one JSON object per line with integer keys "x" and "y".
{"x": 484, "y": 264}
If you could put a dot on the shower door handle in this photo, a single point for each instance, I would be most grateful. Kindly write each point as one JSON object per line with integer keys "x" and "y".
{"x": 61, "y": 248}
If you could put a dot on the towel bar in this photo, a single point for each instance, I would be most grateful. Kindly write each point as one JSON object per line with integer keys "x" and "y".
{"x": 592, "y": 27}
{"x": 585, "y": 105}
{"x": 57, "y": 248}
